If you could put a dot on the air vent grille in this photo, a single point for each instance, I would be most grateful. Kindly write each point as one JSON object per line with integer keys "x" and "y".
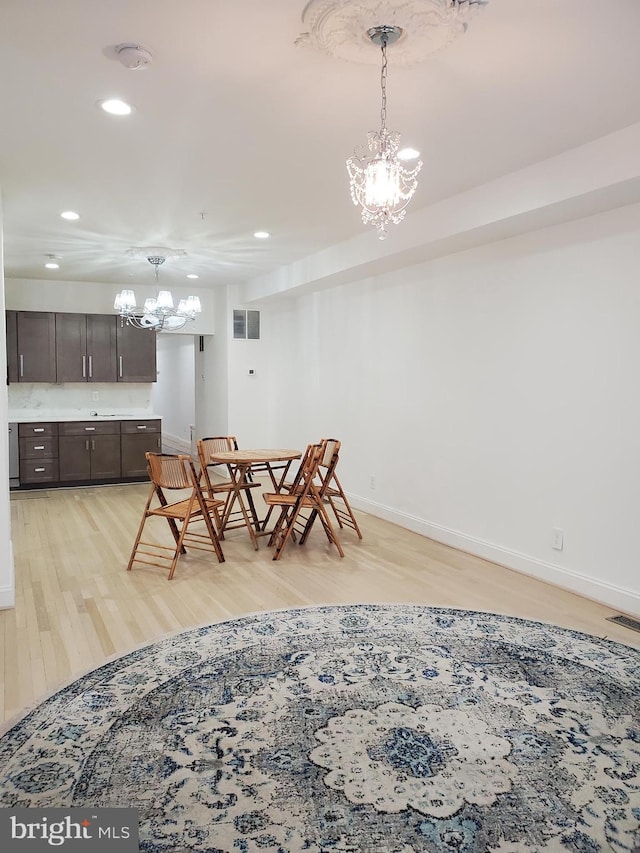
{"x": 246, "y": 325}
{"x": 627, "y": 621}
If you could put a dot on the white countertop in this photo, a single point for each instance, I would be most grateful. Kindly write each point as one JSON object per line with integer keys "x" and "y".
{"x": 30, "y": 416}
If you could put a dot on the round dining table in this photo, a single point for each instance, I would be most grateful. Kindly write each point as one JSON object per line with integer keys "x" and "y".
{"x": 239, "y": 463}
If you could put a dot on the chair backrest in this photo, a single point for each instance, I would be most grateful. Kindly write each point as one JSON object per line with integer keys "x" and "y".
{"x": 328, "y": 462}
{"x": 331, "y": 451}
{"x": 208, "y": 446}
{"x": 308, "y": 469}
{"x": 218, "y": 444}
{"x": 169, "y": 471}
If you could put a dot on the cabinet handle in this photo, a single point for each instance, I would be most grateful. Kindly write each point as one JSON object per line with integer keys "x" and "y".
{"x": 93, "y": 444}
{"x": 39, "y": 470}
{"x": 21, "y": 365}
{"x": 90, "y": 367}
{"x": 84, "y": 367}
{"x": 141, "y": 426}
{"x": 158, "y": 442}
{"x": 120, "y": 366}
{"x": 86, "y": 444}
{"x": 89, "y": 429}
{"x": 38, "y": 446}
{"x": 38, "y": 429}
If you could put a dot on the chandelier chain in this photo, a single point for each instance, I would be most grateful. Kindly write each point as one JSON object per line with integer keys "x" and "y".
{"x": 383, "y": 85}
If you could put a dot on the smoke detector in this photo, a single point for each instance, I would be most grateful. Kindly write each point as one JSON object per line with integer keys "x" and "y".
{"x": 134, "y": 56}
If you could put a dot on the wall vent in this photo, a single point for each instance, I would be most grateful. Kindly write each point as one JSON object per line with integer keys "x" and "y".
{"x": 627, "y": 621}
{"x": 246, "y": 325}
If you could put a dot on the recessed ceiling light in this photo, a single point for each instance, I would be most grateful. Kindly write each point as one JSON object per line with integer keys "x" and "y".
{"x": 52, "y": 265}
{"x": 192, "y": 275}
{"x": 261, "y": 235}
{"x": 115, "y": 107}
{"x": 70, "y": 215}
{"x": 408, "y": 154}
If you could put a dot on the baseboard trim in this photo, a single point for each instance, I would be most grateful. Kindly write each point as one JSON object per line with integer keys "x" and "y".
{"x": 614, "y": 596}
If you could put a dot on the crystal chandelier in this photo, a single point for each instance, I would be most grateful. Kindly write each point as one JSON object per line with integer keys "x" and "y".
{"x": 158, "y": 313}
{"x": 378, "y": 180}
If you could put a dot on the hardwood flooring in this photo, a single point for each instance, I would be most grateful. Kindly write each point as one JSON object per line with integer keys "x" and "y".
{"x": 77, "y": 607}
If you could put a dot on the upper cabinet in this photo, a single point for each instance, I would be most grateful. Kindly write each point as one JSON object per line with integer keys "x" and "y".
{"x": 36, "y": 346}
{"x": 136, "y": 353}
{"x": 86, "y": 348}
{"x": 63, "y": 347}
{"x": 12, "y": 346}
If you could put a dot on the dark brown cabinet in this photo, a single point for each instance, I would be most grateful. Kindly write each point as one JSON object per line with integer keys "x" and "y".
{"x": 86, "y": 451}
{"x": 11, "y": 321}
{"x": 136, "y": 438}
{"x": 64, "y": 347}
{"x": 136, "y": 353}
{"x": 38, "y": 453}
{"x": 86, "y": 348}
{"x": 89, "y": 451}
{"x": 36, "y": 346}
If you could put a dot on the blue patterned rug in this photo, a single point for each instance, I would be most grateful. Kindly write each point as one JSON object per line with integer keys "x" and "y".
{"x": 365, "y": 728}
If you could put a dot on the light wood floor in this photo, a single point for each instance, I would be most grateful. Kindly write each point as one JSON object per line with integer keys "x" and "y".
{"x": 77, "y": 607}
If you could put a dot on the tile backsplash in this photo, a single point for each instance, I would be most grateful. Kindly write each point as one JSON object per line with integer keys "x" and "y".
{"x": 80, "y": 397}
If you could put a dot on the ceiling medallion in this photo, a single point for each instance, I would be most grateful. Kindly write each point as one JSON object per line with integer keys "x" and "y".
{"x": 340, "y": 27}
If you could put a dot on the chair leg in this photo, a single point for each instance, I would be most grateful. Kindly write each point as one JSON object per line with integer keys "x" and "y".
{"x": 284, "y": 533}
{"x": 328, "y": 529}
{"x": 140, "y": 529}
{"x": 211, "y": 528}
{"x": 341, "y": 515}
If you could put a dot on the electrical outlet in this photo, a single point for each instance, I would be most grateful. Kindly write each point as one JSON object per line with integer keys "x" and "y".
{"x": 557, "y": 538}
{"x": 95, "y": 396}
{"x": 372, "y": 482}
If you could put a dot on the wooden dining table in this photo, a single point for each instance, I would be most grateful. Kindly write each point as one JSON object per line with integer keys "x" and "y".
{"x": 239, "y": 464}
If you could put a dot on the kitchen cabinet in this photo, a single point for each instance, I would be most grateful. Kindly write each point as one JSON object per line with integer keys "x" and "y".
{"x": 36, "y": 346}
{"x": 136, "y": 350}
{"x": 65, "y": 347}
{"x": 86, "y": 348}
{"x": 136, "y": 438}
{"x": 11, "y": 321}
{"x": 89, "y": 450}
{"x": 38, "y": 453}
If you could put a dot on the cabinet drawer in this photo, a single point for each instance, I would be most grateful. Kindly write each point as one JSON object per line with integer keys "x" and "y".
{"x": 38, "y": 471}
{"x": 39, "y": 448}
{"x": 128, "y": 427}
{"x": 90, "y": 428}
{"x": 25, "y": 430}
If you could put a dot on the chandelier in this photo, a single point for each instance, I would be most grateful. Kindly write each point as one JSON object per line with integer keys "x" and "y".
{"x": 379, "y": 181}
{"x": 158, "y": 313}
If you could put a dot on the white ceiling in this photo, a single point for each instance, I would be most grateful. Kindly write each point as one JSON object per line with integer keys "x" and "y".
{"x": 237, "y": 129}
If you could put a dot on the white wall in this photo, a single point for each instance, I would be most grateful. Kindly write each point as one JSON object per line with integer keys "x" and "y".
{"x": 7, "y": 585}
{"x": 212, "y": 376}
{"x": 173, "y": 395}
{"x": 482, "y": 398}
{"x": 90, "y": 297}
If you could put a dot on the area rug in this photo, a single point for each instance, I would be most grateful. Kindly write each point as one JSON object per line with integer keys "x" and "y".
{"x": 391, "y": 728}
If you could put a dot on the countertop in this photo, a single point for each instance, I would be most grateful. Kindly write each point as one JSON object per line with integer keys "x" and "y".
{"x": 30, "y": 416}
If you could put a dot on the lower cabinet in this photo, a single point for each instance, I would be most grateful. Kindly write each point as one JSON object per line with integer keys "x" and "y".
{"x": 138, "y": 437}
{"x": 38, "y": 453}
{"x": 89, "y": 451}
{"x": 86, "y": 451}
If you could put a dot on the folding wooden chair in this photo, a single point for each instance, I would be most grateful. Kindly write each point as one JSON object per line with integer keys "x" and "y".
{"x": 238, "y": 517}
{"x": 331, "y": 490}
{"x": 167, "y": 472}
{"x": 303, "y": 496}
